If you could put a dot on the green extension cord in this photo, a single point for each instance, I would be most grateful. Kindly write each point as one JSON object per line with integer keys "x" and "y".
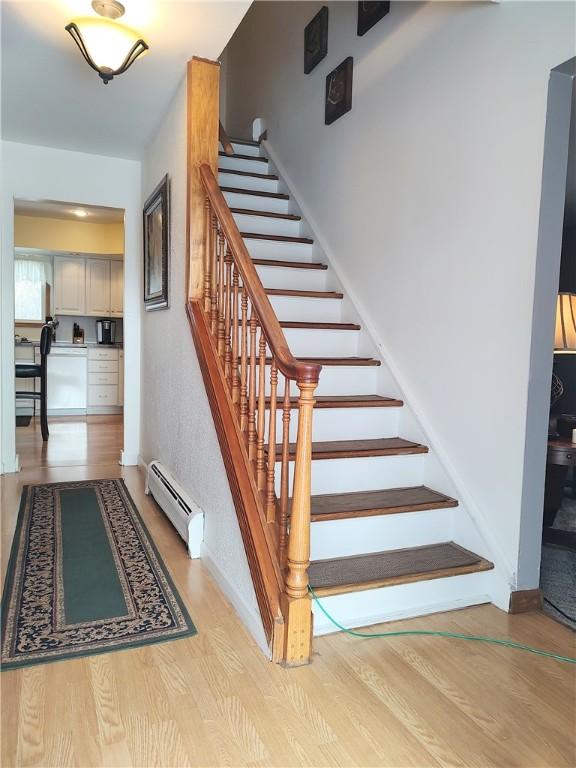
{"x": 431, "y": 633}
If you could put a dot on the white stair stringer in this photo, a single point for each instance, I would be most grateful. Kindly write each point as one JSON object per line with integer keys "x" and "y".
{"x": 355, "y": 535}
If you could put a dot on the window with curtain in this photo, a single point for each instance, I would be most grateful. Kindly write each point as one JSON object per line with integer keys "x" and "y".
{"x": 30, "y": 277}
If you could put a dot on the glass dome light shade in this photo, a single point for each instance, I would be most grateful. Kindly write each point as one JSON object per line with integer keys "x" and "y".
{"x": 108, "y": 47}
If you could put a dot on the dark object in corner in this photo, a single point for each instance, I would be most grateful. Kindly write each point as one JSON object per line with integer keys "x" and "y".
{"x": 24, "y": 420}
{"x": 316, "y": 40}
{"x": 338, "y": 91}
{"x": 369, "y": 13}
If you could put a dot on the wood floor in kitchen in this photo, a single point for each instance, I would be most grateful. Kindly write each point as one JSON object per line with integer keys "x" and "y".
{"x": 214, "y": 700}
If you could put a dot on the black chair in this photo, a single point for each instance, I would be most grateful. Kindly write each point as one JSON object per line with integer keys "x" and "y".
{"x": 34, "y": 371}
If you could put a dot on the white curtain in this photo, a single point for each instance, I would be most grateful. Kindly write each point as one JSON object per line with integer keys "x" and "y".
{"x": 30, "y": 279}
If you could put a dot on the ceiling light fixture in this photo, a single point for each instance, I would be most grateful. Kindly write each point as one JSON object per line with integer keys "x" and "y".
{"x": 108, "y": 47}
{"x": 80, "y": 213}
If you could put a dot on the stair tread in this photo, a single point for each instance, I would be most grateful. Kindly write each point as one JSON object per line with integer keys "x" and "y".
{"x": 255, "y": 193}
{"x": 266, "y": 214}
{"x": 311, "y": 325}
{"x": 387, "y": 501}
{"x": 245, "y": 142}
{"x": 270, "y": 176}
{"x": 257, "y": 158}
{"x": 397, "y": 566}
{"x": 346, "y": 401}
{"x": 290, "y": 264}
{"x": 352, "y": 361}
{"x": 351, "y": 449}
{"x": 278, "y": 238}
{"x": 310, "y": 294}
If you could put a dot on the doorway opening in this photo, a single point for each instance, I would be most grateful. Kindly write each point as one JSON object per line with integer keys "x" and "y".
{"x": 69, "y": 281}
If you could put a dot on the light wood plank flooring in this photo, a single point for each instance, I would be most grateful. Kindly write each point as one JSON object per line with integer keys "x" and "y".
{"x": 213, "y": 700}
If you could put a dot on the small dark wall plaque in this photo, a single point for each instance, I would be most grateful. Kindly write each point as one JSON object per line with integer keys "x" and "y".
{"x": 369, "y": 13}
{"x": 316, "y": 40}
{"x": 339, "y": 91}
{"x": 156, "y": 247}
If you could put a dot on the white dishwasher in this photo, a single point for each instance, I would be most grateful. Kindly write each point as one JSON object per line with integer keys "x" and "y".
{"x": 67, "y": 380}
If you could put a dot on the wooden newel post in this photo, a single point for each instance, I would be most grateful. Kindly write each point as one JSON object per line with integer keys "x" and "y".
{"x": 298, "y": 607}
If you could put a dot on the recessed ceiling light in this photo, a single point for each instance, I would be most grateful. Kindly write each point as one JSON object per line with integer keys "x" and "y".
{"x": 80, "y": 213}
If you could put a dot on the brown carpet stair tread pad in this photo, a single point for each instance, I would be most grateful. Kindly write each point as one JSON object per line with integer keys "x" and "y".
{"x": 341, "y": 449}
{"x": 278, "y": 238}
{"x": 270, "y": 176}
{"x": 266, "y": 214}
{"x": 290, "y": 264}
{"x": 393, "y": 564}
{"x": 237, "y": 156}
{"x": 345, "y": 401}
{"x": 255, "y": 193}
{"x": 303, "y": 294}
{"x": 352, "y": 361}
{"x": 386, "y": 501}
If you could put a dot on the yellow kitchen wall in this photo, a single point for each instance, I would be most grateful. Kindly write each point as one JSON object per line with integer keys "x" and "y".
{"x": 64, "y": 235}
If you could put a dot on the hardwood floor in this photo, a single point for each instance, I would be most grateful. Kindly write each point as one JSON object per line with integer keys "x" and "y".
{"x": 213, "y": 700}
{"x": 74, "y": 441}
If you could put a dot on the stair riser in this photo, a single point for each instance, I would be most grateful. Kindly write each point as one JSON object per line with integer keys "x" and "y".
{"x": 270, "y": 249}
{"x": 365, "y": 474}
{"x": 360, "y": 609}
{"x": 306, "y": 342}
{"x": 292, "y": 278}
{"x": 345, "y": 423}
{"x": 266, "y": 225}
{"x": 337, "y": 380}
{"x": 247, "y": 182}
{"x": 255, "y": 203}
{"x": 237, "y": 164}
{"x": 362, "y": 535}
{"x": 307, "y": 309}
{"x": 243, "y": 149}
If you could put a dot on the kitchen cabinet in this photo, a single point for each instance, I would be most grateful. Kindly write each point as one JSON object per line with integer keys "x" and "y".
{"x": 116, "y": 288}
{"x": 103, "y": 379}
{"x": 69, "y": 286}
{"x": 98, "y": 287}
{"x": 121, "y": 377}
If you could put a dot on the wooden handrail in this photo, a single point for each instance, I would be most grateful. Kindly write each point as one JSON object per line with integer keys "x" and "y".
{"x": 291, "y": 367}
{"x": 224, "y": 140}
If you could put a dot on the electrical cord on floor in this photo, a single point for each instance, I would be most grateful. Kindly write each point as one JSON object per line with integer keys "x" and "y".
{"x": 560, "y": 611}
{"x": 431, "y": 633}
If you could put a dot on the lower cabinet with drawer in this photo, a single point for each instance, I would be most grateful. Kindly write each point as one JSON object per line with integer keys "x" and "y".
{"x": 103, "y": 375}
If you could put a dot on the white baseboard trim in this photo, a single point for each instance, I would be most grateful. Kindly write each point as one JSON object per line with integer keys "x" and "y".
{"x": 10, "y": 467}
{"x": 250, "y": 618}
{"x": 322, "y": 625}
{"x": 505, "y": 570}
{"x": 128, "y": 459}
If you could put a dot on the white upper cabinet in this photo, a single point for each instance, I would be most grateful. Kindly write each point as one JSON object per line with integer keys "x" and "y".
{"x": 69, "y": 286}
{"x": 116, "y": 288}
{"x": 97, "y": 287}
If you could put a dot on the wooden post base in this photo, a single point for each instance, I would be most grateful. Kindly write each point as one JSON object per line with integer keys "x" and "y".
{"x": 298, "y": 633}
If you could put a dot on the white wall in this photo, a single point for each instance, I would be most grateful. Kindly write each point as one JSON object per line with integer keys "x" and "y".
{"x": 427, "y": 195}
{"x": 53, "y": 174}
{"x": 177, "y": 425}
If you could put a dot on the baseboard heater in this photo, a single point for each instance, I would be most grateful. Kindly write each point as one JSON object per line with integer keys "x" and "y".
{"x": 183, "y": 513}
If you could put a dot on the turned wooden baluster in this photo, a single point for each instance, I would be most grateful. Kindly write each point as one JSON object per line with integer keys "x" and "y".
{"x": 221, "y": 254}
{"x": 228, "y": 315}
{"x": 252, "y": 387}
{"x": 284, "y": 474}
{"x": 270, "y": 492}
{"x": 214, "y": 274}
{"x": 207, "y": 255}
{"x": 260, "y": 460}
{"x": 235, "y": 308}
{"x": 244, "y": 361}
{"x": 299, "y": 536}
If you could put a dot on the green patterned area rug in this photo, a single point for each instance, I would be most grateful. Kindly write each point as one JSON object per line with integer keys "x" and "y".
{"x": 84, "y": 577}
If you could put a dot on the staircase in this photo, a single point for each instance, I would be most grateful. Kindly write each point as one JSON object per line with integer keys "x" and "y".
{"x": 375, "y": 526}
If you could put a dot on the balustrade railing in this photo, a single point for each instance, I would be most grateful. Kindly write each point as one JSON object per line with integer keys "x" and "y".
{"x": 260, "y": 374}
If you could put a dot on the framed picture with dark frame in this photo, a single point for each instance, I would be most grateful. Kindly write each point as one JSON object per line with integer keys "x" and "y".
{"x": 156, "y": 246}
{"x": 369, "y": 13}
{"x": 316, "y": 40}
{"x": 338, "y": 91}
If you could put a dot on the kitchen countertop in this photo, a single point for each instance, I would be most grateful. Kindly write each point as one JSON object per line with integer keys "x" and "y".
{"x": 117, "y": 345}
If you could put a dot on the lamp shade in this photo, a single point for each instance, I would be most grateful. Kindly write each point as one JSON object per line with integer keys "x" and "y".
{"x": 108, "y": 47}
{"x": 565, "y": 333}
